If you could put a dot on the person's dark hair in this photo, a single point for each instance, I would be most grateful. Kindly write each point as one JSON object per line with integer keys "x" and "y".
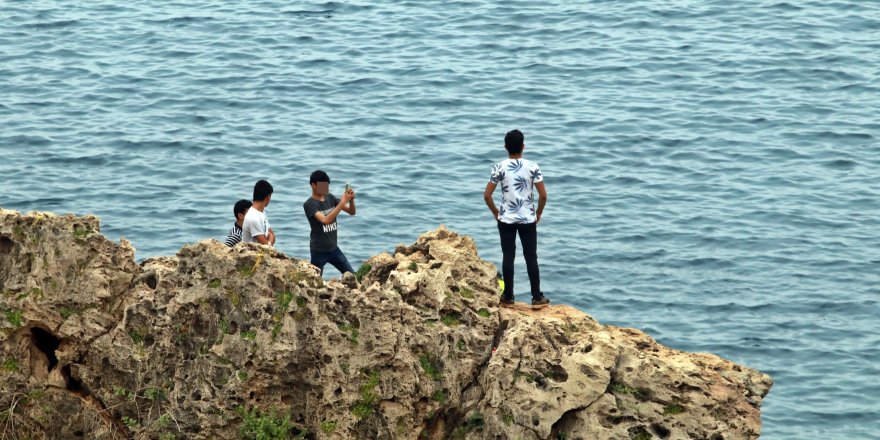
{"x": 262, "y": 190}
{"x": 241, "y": 207}
{"x": 318, "y": 176}
{"x": 513, "y": 141}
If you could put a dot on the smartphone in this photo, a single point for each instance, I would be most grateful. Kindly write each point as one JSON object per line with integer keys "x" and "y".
{"x": 347, "y": 186}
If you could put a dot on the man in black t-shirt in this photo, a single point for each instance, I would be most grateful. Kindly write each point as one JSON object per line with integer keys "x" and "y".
{"x": 321, "y": 210}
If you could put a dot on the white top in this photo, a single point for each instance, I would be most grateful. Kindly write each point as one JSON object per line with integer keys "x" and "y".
{"x": 255, "y": 223}
{"x": 517, "y": 178}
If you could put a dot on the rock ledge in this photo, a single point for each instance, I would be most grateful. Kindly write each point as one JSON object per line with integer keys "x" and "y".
{"x": 219, "y": 343}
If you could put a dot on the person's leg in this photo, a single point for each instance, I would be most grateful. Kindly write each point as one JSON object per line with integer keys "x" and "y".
{"x": 528, "y": 235}
{"x": 319, "y": 259}
{"x": 508, "y": 251}
{"x": 338, "y": 260}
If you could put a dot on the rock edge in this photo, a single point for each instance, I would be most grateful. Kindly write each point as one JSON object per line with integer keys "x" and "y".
{"x": 220, "y": 343}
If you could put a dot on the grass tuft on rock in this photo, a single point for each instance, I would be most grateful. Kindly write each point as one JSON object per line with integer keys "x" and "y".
{"x": 283, "y": 299}
{"x": 367, "y": 403}
{"x": 11, "y": 365}
{"x": 351, "y": 330}
{"x": 451, "y": 319}
{"x": 245, "y": 271}
{"x": 507, "y": 418}
{"x": 270, "y": 425}
{"x": 439, "y": 396}
{"x": 234, "y": 297}
{"x": 363, "y": 270}
{"x": 13, "y": 316}
{"x": 430, "y": 368}
{"x": 136, "y": 336}
{"x": 474, "y": 422}
{"x": 639, "y": 393}
{"x": 80, "y": 232}
{"x": 328, "y": 426}
{"x": 66, "y": 312}
{"x": 673, "y": 409}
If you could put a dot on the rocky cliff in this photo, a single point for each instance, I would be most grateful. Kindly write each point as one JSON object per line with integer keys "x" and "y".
{"x": 219, "y": 343}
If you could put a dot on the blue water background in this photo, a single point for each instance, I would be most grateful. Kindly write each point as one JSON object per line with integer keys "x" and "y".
{"x": 713, "y": 167}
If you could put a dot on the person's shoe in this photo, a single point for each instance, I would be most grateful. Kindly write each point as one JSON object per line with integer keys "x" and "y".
{"x": 504, "y": 302}
{"x": 540, "y": 303}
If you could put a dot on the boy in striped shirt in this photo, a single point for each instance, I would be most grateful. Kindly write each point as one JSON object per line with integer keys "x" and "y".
{"x": 239, "y": 210}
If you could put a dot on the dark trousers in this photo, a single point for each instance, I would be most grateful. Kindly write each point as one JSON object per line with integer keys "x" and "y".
{"x": 336, "y": 258}
{"x": 528, "y": 236}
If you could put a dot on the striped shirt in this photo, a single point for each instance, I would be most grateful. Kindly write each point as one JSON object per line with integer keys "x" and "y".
{"x": 234, "y": 236}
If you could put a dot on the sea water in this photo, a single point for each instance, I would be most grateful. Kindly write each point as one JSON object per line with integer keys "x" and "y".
{"x": 713, "y": 167}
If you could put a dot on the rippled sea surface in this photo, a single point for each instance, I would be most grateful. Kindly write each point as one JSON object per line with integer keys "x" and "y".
{"x": 713, "y": 167}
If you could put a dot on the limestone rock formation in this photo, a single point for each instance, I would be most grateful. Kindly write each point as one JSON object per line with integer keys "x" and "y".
{"x": 220, "y": 343}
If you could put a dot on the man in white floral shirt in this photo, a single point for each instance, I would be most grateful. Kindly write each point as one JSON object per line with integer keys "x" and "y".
{"x": 518, "y": 178}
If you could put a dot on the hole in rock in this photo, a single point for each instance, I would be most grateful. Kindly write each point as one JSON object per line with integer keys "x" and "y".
{"x": 277, "y": 285}
{"x": 6, "y": 244}
{"x": 638, "y": 432}
{"x": 73, "y": 385}
{"x": 556, "y": 373}
{"x": 621, "y": 419}
{"x": 585, "y": 369}
{"x": 660, "y": 430}
{"x": 152, "y": 281}
{"x": 47, "y": 343}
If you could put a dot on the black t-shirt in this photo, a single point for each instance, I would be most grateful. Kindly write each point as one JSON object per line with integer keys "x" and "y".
{"x": 323, "y": 237}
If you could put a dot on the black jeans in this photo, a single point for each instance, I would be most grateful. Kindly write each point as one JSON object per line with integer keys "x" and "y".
{"x": 528, "y": 235}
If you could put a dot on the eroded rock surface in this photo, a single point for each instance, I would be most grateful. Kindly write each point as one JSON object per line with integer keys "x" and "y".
{"x": 220, "y": 343}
